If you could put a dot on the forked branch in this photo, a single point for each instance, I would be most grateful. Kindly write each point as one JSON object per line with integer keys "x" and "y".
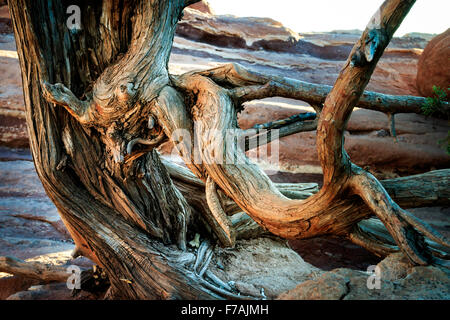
{"x": 214, "y": 110}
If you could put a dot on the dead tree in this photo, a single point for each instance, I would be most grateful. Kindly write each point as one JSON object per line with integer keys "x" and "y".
{"x": 99, "y": 100}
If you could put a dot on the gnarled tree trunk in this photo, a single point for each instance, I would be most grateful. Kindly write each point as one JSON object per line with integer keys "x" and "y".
{"x": 132, "y": 213}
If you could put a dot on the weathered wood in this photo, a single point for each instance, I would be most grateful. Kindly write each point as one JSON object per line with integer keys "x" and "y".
{"x": 251, "y": 85}
{"x": 118, "y": 213}
{"x": 33, "y": 270}
{"x": 336, "y": 112}
{"x": 214, "y": 109}
{"x": 94, "y": 95}
{"x": 421, "y": 190}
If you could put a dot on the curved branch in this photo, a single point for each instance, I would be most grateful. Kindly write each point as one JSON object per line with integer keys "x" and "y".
{"x": 241, "y": 180}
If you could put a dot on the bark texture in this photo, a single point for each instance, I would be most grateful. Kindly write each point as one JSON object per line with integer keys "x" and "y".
{"x": 127, "y": 216}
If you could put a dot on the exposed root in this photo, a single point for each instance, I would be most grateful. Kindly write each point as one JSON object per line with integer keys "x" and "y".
{"x": 205, "y": 266}
{"x": 217, "y": 281}
{"x": 375, "y": 230}
{"x": 223, "y": 292}
{"x": 218, "y": 286}
{"x": 201, "y": 252}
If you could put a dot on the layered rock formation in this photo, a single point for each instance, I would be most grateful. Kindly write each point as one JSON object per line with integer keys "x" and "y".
{"x": 13, "y": 131}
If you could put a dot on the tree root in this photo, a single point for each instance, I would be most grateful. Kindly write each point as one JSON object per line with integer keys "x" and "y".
{"x": 370, "y": 243}
{"x": 372, "y": 232}
{"x": 202, "y": 262}
{"x": 204, "y": 255}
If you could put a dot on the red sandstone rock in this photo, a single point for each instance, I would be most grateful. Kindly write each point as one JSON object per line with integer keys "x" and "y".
{"x": 434, "y": 65}
{"x": 231, "y": 31}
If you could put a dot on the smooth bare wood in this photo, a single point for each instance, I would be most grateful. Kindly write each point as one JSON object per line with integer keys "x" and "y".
{"x": 224, "y": 230}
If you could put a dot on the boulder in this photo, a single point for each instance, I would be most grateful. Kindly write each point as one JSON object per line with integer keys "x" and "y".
{"x": 398, "y": 280}
{"x": 10, "y": 285}
{"x": 263, "y": 266}
{"x": 434, "y": 65}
